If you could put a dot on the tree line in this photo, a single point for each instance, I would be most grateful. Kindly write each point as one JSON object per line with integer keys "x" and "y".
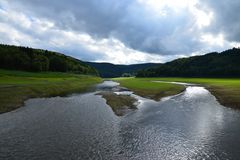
{"x": 108, "y": 70}
{"x": 37, "y": 60}
{"x": 224, "y": 64}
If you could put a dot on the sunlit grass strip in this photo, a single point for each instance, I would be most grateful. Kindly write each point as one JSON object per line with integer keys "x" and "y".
{"x": 226, "y": 90}
{"x": 16, "y": 86}
{"x": 147, "y": 88}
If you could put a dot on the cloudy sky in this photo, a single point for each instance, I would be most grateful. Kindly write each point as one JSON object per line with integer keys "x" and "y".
{"x": 122, "y": 31}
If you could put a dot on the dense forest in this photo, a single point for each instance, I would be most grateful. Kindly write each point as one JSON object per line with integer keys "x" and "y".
{"x": 108, "y": 70}
{"x": 224, "y": 64}
{"x": 37, "y": 60}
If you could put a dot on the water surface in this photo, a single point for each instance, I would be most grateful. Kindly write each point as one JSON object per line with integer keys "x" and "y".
{"x": 191, "y": 125}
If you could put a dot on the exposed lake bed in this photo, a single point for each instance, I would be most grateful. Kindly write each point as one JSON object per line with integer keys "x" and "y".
{"x": 118, "y": 98}
{"x": 190, "y": 125}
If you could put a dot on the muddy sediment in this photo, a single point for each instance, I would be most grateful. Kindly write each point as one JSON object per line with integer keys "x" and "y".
{"x": 120, "y": 104}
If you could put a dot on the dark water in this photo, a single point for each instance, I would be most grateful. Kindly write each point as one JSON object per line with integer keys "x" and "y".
{"x": 191, "y": 125}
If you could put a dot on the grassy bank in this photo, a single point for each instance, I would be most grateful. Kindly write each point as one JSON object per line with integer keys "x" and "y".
{"x": 226, "y": 90}
{"x": 17, "y": 86}
{"x": 145, "y": 88}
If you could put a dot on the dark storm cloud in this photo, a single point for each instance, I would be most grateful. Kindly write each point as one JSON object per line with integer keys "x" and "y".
{"x": 128, "y": 30}
{"x": 98, "y": 17}
{"x": 128, "y": 21}
{"x": 226, "y": 17}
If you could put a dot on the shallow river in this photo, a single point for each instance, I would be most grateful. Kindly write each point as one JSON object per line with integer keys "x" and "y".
{"x": 191, "y": 125}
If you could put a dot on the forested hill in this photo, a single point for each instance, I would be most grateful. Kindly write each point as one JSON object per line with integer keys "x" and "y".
{"x": 37, "y": 60}
{"x": 108, "y": 70}
{"x": 224, "y": 64}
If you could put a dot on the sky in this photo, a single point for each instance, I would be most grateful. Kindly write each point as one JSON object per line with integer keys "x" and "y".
{"x": 122, "y": 31}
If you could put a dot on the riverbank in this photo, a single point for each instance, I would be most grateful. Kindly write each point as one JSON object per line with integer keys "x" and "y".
{"x": 18, "y": 86}
{"x": 148, "y": 89}
{"x": 63, "y": 128}
{"x": 226, "y": 90}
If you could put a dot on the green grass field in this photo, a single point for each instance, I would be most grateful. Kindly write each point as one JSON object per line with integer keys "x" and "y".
{"x": 146, "y": 88}
{"x": 226, "y": 90}
{"x": 17, "y": 86}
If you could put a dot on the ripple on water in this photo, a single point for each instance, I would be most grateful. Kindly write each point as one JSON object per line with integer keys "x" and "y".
{"x": 191, "y": 125}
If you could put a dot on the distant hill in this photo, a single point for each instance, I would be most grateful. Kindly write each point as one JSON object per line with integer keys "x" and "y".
{"x": 108, "y": 70}
{"x": 37, "y": 60}
{"x": 224, "y": 64}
